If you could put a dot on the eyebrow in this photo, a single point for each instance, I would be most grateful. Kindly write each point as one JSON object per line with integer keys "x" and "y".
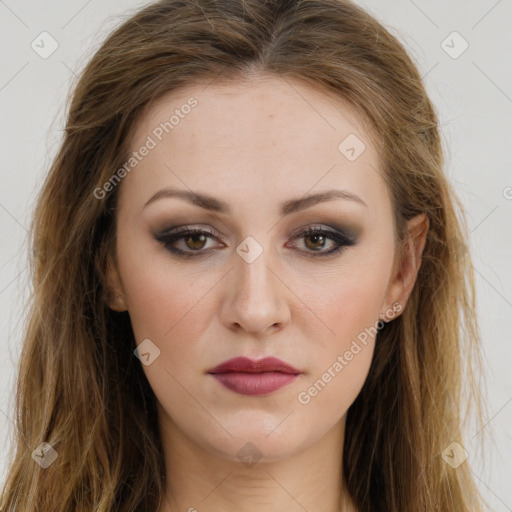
{"x": 213, "y": 204}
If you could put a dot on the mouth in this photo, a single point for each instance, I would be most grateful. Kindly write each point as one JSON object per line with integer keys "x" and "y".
{"x": 254, "y": 378}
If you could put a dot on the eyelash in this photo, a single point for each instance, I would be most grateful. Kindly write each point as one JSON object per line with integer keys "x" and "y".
{"x": 166, "y": 239}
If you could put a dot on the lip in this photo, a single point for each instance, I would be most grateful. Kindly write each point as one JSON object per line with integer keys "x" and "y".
{"x": 254, "y": 378}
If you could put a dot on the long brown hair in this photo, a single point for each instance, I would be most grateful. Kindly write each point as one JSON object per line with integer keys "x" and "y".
{"x": 80, "y": 388}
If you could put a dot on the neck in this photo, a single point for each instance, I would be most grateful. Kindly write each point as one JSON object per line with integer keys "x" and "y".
{"x": 199, "y": 480}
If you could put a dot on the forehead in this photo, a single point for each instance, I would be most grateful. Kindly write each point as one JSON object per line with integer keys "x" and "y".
{"x": 241, "y": 107}
{"x": 267, "y": 134}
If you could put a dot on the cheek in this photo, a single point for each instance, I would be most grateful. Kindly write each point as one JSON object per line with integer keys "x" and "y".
{"x": 173, "y": 314}
{"x": 349, "y": 308}
{"x": 171, "y": 309}
{"x": 348, "y": 303}
{"x": 163, "y": 300}
{"x": 342, "y": 360}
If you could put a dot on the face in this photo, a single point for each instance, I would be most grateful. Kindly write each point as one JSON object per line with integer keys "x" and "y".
{"x": 255, "y": 268}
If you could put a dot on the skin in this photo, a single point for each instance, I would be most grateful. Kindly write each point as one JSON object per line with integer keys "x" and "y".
{"x": 255, "y": 145}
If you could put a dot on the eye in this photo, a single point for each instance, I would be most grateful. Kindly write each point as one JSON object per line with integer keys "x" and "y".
{"x": 316, "y": 239}
{"x": 194, "y": 241}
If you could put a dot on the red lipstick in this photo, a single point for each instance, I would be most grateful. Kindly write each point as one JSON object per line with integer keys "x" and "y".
{"x": 256, "y": 378}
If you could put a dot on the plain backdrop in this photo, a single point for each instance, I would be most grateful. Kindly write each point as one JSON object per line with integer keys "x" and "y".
{"x": 463, "y": 50}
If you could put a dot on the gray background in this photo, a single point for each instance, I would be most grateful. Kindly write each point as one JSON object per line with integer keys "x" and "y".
{"x": 473, "y": 94}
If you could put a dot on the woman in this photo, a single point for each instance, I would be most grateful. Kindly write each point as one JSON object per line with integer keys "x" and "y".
{"x": 249, "y": 292}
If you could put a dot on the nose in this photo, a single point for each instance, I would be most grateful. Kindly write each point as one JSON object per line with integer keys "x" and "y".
{"x": 257, "y": 298}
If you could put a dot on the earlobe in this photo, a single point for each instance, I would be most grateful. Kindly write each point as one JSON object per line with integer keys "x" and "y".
{"x": 406, "y": 270}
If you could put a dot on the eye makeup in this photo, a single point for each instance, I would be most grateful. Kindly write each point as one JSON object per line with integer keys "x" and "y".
{"x": 194, "y": 239}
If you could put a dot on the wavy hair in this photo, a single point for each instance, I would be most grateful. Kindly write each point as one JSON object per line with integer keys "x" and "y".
{"x": 79, "y": 386}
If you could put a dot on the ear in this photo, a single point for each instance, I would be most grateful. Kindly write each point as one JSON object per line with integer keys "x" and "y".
{"x": 115, "y": 290}
{"x": 407, "y": 266}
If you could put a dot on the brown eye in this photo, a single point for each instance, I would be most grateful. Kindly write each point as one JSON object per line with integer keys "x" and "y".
{"x": 186, "y": 241}
{"x": 317, "y": 241}
{"x": 195, "y": 242}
